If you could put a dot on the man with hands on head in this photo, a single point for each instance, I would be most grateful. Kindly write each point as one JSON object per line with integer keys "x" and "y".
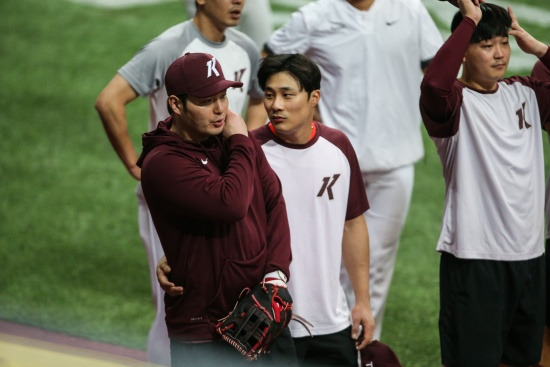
{"x": 217, "y": 207}
{"x": 320, "y": 175}
{"x": 487, "y": 130}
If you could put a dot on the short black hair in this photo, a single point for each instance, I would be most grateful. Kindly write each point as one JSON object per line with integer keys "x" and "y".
{"x": 495, "y": 21}
{"x": 300, "y": 67}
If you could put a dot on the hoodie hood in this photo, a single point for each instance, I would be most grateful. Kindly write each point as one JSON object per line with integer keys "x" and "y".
{"x": 162, "y": 135}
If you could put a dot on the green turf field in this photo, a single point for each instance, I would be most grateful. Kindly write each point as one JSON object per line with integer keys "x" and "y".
{"x": 71, "y": 257}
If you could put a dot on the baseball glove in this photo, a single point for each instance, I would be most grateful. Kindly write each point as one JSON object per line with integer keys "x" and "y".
{"x": 259, "y": 317}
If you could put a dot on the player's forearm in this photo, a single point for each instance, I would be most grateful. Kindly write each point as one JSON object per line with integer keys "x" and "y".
{"x": 184, "y": 188}
{"x": 445, "y": 65}
{"x": 278, "y": 233}
{"x": 356, "y": 257}
{"x": 355, "y": 254}
{"x": 436, "y": 100}
{"x": 116, "y": 127}
{"x": 111, "y": 107}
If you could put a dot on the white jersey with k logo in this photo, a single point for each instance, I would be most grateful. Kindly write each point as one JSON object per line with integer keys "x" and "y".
{"x": 322, "y": 187}
{"x": 492, "y": 157}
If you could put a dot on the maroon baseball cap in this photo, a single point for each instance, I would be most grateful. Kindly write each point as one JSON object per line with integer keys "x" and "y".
{"x": 197, "y": 75}
{"x": 378, "y": 354}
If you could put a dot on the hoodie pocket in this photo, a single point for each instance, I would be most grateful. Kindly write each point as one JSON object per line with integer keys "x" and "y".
{"x": 235, "y": 276}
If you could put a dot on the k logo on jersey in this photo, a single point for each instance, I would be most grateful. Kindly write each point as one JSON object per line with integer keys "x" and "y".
{"x": 327, "y": 186}
{"x": 238, "y": 76}
{"x": 521, "y": 117}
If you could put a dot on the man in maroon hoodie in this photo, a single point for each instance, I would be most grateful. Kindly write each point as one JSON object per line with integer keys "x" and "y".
{"x": 217, "y": 206}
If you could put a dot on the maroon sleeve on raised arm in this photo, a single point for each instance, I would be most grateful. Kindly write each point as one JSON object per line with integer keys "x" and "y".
{"x": 439, "y": 100}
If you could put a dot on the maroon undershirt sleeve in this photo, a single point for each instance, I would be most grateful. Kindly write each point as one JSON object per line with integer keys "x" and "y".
{"x": 437, "y": 101}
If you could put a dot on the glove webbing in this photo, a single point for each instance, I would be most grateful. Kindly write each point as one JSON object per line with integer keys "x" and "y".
{"x": 253, "y": 329}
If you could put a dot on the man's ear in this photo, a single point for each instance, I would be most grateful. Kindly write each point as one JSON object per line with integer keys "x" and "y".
{"x": 176, "y": 104}
{"x": 315, "y": 97}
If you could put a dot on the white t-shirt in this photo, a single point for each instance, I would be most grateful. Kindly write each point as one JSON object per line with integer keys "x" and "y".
{"x": 493, "y": 165}
{"x": 322, "y": 187}
{"x": 371, "y": 67}
{"x": 237, "y": 54}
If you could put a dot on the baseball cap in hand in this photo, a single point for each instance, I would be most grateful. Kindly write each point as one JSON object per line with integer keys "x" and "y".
{"x": 197, "y": 75}
{"x": 378, "y": 354}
